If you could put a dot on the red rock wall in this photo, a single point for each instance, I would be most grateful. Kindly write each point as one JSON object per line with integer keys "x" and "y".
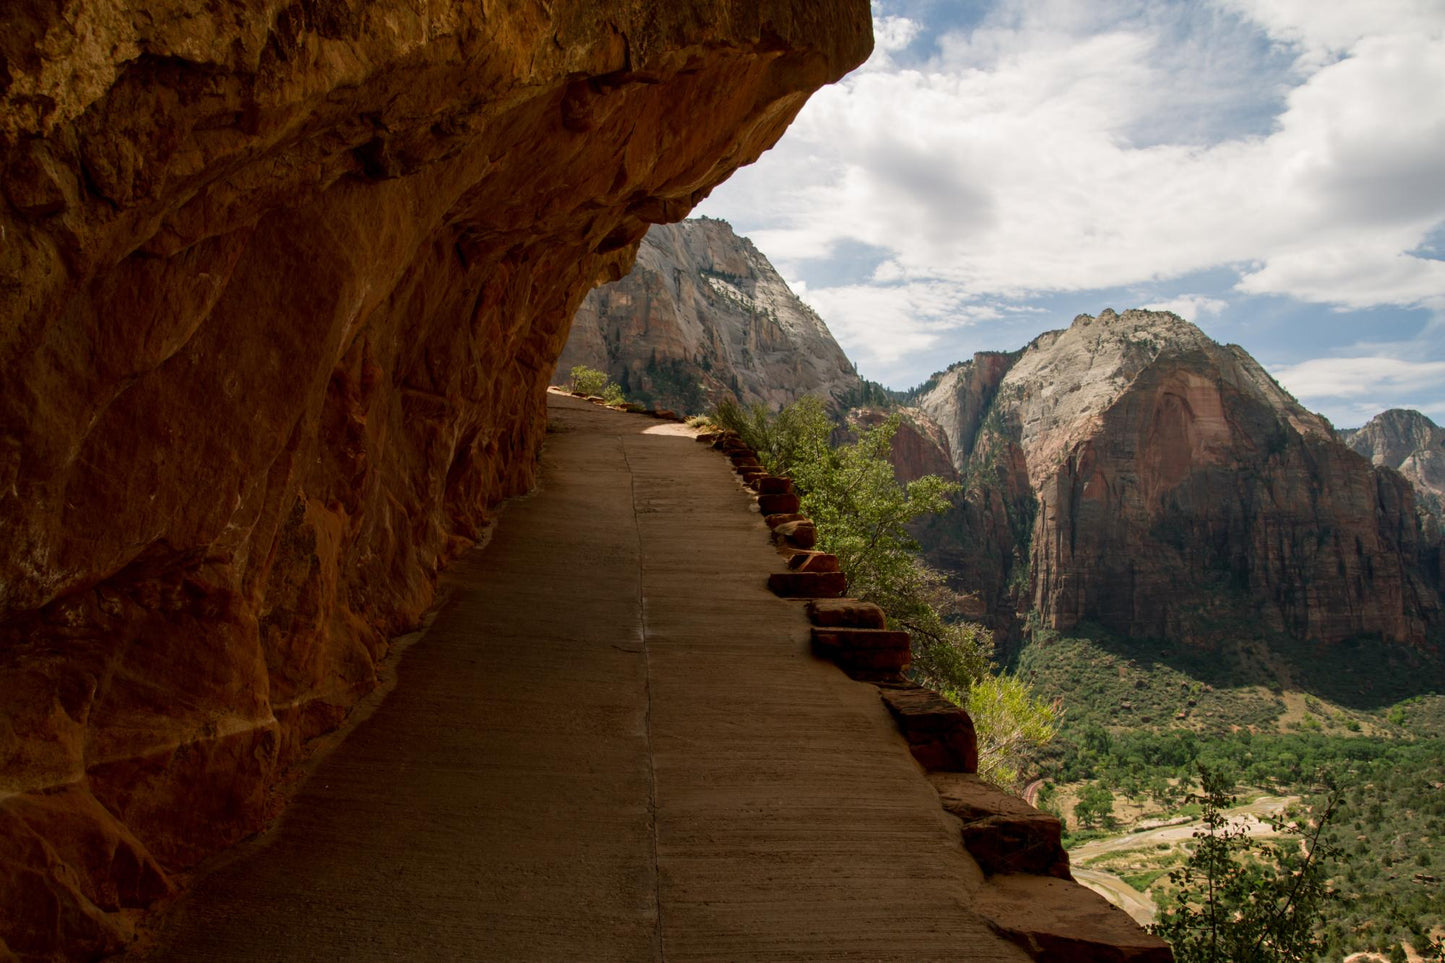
{"x": 282, "y": 288}
{"x": 1194, "y": 512}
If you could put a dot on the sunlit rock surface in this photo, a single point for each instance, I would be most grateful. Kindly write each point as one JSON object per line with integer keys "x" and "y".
{"x": 1410, "y": 443}
{"x": 704, "y": 316}
{"x": 1163, "y": 485}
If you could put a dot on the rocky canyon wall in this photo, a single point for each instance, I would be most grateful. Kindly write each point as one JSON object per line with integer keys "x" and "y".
{"x": 282, "y": 285}
{"x": 1131, "y": 472}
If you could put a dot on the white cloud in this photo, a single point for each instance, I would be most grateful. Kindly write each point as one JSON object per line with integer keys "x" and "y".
{"x": 1323, "y": 30}
{"x": 1007, "y": 164}
{"x": 1352, "y": 275}
{"x": 1350, "y": 391}
{"x": 892, "y": 34}
{"x": 887, "y": 322}
{"x": 1359, "y": 377}
{"x": 1190, "y": 307}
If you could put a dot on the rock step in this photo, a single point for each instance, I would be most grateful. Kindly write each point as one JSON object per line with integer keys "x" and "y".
{"x": 807, "y": 585}
{"x": 870, "y": 655}
{"x": 745, "y": 460}
{"x": 751, "y": 477}
{"x": 1001, "y": 832}
{"x": 852, "y": 613}
{"x": 775, "y": 485}
{"x": 940, "y": 734}
{"x": 799, "y": 533}
{"x": 1062, "y": 922}
{"x": 778, "y": 504}
{"x": 810, "y": 561}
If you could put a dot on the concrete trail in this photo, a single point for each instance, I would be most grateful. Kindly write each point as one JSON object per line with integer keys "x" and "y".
{"x": 611, "y": 744}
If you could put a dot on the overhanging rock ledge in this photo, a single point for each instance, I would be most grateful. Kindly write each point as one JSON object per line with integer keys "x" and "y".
{"x": 281, "y": 288}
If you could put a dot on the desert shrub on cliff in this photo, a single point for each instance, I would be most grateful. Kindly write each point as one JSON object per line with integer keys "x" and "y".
{"x": 590, "y": 381}
{"x": 862, "y": 513}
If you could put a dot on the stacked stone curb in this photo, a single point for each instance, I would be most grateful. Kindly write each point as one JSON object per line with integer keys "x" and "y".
{"x": 1029, "y": 896}
{"x": 662, "y": 414}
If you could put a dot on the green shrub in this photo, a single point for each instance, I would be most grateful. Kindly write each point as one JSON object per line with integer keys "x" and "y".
{"x": 862, "y": 513}
{"x": 590, "y": 381}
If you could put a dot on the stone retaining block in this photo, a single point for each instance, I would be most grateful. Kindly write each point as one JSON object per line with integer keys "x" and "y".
{"x": 1003, "y": 833}
{"x": 775, "y": 485}
{"x": 851, "y": 613}
{"x": 801, "y": 534}
{"x": 873, "y": 655}
{"x": 807, "y": 585}
{"x": 940, "y": 734}
{"x": 1063, "y": 922}
{"x": 778, "y": 504}
{"x": 810, "y": 561}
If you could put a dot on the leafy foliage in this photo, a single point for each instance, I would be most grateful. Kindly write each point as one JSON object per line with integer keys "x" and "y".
{"x": 1240, "y": 900}
{"x": 590, "y": 381}
{"x": 862, "y": 513}
{"x": 1095, "y": 806}
{"x": 1011, "y": 725}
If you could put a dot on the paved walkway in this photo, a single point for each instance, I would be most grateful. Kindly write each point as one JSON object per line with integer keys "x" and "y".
{"x": 611, "y": 744}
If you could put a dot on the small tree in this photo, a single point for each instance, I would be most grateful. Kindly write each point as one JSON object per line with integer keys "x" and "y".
{"x": 1095, "y": 806}
{"x": 1237, "y": 900}
{"x": 1011, "y": 724}
{"x": 590, "y": 381}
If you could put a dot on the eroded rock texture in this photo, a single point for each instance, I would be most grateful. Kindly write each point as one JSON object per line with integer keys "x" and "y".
{"x": 704, "y": 316}
{"x": 1131, "y": 472}
{"x": 1410, "y": 443}
{"x": 282, "y": 285}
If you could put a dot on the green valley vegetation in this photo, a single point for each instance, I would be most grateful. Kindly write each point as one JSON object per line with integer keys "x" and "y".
{"x": 1237, "y": 899}
{"x": 1142, "y": 718}
{"x": 862, "y": 513}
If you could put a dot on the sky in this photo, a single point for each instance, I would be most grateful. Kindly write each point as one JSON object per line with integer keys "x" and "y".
{"x": 1272, "y": 170}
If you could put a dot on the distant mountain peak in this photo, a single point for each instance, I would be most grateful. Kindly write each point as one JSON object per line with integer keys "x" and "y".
{"x": 1409, "y": 442}
{"x": 1143, "y": 476}
{"x": 703, "y": 316}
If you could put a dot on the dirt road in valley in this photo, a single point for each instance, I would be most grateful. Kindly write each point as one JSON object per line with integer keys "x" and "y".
{"x": 1252, "y": 816}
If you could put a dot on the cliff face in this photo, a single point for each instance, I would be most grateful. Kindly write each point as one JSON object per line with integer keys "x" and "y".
{"x": 1164, "y": 485}
{"x": 702, "y": 316}
{"x": 1410, "y": 443}
{"x": 283, "y": 286}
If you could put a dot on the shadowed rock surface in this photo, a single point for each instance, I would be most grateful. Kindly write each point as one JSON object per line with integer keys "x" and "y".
{"x": 283, "y": 285}
{"x": 704, "y": 316}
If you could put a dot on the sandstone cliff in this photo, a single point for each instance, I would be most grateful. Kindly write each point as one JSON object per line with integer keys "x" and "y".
{"x": 282, "y": 288}
{"x": 1132, "y": 472}
{"x": 1410, "y": 443}
{"x": 703, "y": 316}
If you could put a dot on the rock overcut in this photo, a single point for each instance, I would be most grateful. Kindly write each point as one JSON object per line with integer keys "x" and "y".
{"x": 283, "y": 285}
